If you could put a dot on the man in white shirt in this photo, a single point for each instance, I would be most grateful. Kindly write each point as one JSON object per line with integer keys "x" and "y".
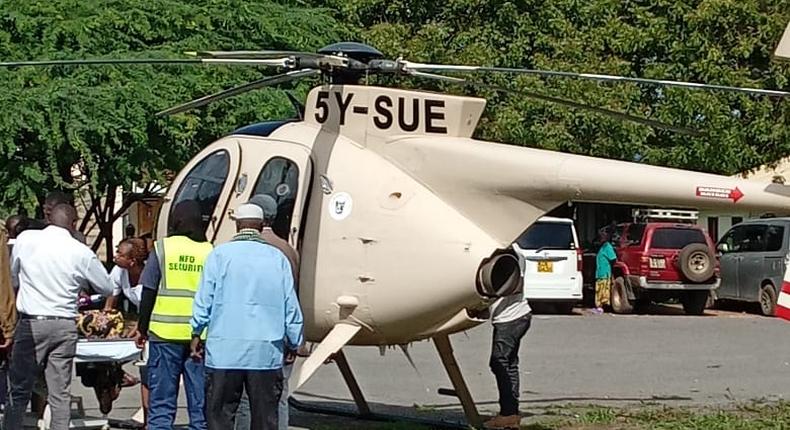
{"x": 55, "y": 198}
{"x": 511, "y": 317}
{"x": 49, "y": 267}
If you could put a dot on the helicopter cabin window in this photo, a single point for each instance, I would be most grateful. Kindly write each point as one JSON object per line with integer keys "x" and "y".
{"x": 280, "y": 179}
{"x": 204, "y": 184}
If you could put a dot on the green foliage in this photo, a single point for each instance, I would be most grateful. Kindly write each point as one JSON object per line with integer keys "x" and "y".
{"x": 101, "y": 118}
{"x": 723, "y": 42}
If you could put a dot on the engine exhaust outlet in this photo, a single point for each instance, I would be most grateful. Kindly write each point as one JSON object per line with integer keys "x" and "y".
{"x": 499, "y": 275}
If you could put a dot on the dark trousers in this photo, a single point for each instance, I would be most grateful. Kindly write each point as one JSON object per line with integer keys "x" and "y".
{"x": 223, "y": 393}
{"x": 3, "y": 377}
{"x": 504, "y": 361}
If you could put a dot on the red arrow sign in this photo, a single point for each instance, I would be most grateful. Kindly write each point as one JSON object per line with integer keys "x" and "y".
{"x": 733, "y": 194}
{"x": 736, "y": 195}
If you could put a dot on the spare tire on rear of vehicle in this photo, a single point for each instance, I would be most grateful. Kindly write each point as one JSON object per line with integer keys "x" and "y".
{"x": 697, "y": 262}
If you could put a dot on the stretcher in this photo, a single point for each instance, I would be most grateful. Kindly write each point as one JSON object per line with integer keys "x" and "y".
{"x": 97, "y": 351}
{"x": 112, "y": 350}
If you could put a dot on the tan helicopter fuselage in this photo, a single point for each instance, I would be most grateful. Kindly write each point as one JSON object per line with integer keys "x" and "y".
{"x": 397, "y": 205}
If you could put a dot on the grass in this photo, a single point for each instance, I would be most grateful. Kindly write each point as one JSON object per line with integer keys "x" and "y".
{"x": 752, "y": 416}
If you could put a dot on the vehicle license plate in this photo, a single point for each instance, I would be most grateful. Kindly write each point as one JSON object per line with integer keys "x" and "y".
{"x": 545, "y": 266}
{"x": 658, "y": 263}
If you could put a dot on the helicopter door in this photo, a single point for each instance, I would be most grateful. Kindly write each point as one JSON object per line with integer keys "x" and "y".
{"x": 208, "y": 179}
{"x": 284, "y": 173}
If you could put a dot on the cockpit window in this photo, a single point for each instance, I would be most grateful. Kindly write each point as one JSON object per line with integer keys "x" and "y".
{"x": 204, "y": 184}
{"x": 280, "y": 179}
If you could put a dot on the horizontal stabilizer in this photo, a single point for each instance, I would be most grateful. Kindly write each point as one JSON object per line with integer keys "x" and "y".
{"x": 779, "y": 189}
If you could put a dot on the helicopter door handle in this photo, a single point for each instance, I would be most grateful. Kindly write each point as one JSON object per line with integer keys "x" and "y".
{"x": 214, "y": 223}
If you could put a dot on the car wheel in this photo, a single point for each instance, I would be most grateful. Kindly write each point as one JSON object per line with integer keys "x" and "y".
{"x": 694, "y": 302}
{"x": 696, "y": 262}
{"x": 621, "y": 304}
{"x": 768, "y": 300}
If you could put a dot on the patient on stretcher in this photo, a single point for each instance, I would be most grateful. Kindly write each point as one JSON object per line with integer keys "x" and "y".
{"x": 106, "y": 378}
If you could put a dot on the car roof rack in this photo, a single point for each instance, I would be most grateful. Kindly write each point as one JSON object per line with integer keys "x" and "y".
{"x": 665, "y": 215}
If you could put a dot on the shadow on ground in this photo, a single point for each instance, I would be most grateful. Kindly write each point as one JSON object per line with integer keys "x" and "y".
{"x": 721, "y": 309}
{"x": 443, "y": 415}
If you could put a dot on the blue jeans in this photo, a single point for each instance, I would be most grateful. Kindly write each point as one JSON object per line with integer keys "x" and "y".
{"x": 243, "y": 418}
{"x": 167, "y": 362}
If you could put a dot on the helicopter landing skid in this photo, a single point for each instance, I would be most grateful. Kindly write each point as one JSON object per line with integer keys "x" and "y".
{"x": 460, "y": 390}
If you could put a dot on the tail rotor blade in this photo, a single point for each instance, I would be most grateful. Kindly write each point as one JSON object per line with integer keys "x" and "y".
{"x": 265, "y": 82}
{"x": 409, "y": 66}
{"x": 569, "y": 103}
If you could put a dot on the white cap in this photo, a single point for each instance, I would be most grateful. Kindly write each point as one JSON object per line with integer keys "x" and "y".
{"x": 248, "y": 211}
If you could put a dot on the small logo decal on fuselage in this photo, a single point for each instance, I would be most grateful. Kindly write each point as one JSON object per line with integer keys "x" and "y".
{"x": 340, "y": 206}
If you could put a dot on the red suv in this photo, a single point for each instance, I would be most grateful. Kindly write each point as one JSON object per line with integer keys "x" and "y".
{"x": 659, "y": 261}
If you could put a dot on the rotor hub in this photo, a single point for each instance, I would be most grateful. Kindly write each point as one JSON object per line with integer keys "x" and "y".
{"x": 354, "y": 50}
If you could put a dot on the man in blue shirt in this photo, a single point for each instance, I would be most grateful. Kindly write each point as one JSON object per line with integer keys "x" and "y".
{"x": 247, "y": 301}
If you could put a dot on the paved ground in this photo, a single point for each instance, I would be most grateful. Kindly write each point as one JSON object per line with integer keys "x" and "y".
{"x": 613, "y": 360}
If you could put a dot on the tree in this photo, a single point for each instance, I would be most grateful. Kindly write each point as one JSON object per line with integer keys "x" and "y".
{"x": 67, "y": 127}
{"x": 713, "y": 41}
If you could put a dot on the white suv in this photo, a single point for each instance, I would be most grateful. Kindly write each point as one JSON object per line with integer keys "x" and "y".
{"x": 551, "y": 261}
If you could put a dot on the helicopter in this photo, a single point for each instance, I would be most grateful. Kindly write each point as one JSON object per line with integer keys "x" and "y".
{"x": 403, "y": 221}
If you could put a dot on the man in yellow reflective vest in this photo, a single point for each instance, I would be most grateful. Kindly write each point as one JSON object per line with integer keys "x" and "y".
{"x": 170, "y": 280}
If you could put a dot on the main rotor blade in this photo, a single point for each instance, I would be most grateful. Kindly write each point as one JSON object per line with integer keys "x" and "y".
{"x": 265, "y": 82}
{"x": 251, "y": 54}
{"x": 98, "y": 62}
{"x": 612, "y": 78}
{"x": 293, "y": 59}
{"x": 276, "y": 62}
{"x": 569, "y": 103}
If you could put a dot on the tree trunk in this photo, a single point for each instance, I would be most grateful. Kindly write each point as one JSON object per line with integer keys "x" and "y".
{"x": 106, "y": 216}
{"x": 98, "y": 212}
{"x": 109, "y": 213}
{"x": 88, "y": 214}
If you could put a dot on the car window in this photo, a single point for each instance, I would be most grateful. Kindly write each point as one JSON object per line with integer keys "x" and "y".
{"x": 635, "y": 233}
{"x": 746, "y": 238}
{"x": 204, "y": 184}
{"x": 619, "y": 229}
{"x": 547, "y": 235}
{"x": 774, "y": 237}
{"x": 676, "y": 238}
